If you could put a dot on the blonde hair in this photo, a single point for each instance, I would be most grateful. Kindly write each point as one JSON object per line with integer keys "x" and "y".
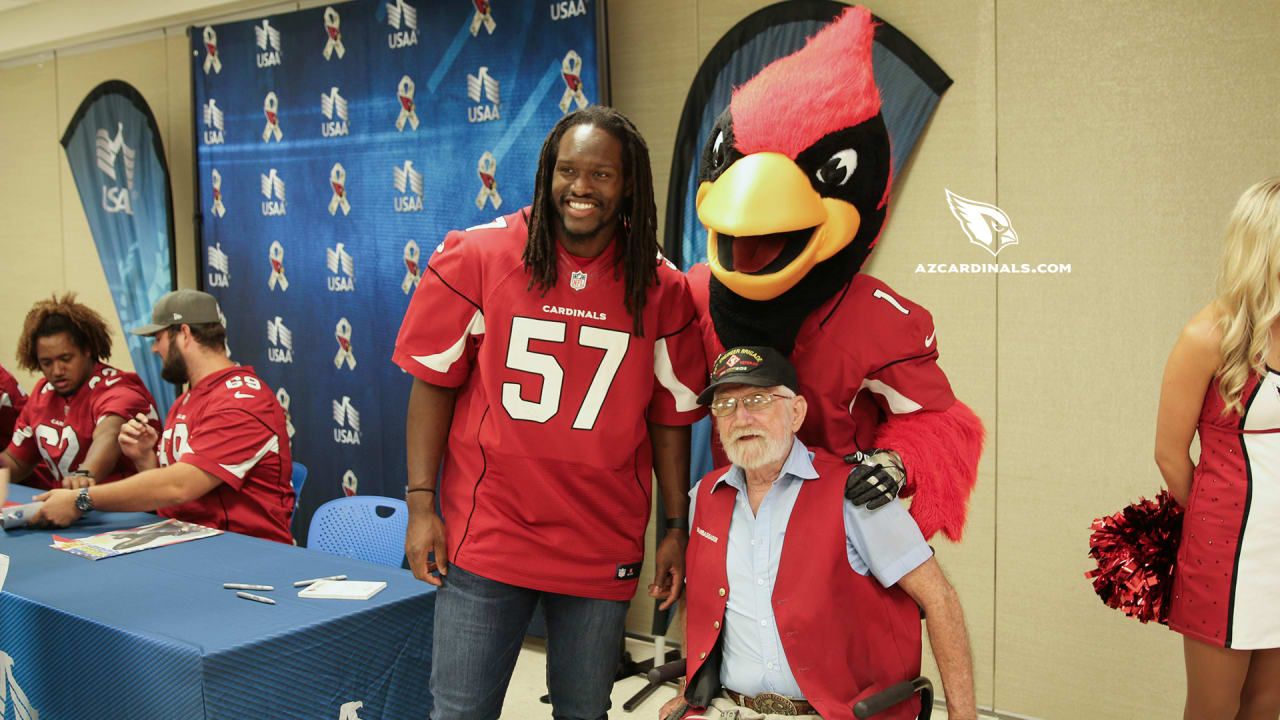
{"x": 1249, "y": 288}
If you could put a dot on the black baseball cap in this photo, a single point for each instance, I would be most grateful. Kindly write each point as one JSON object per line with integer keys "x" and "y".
{"x": 186, "y": 306}
{"x": 750, "y": 365}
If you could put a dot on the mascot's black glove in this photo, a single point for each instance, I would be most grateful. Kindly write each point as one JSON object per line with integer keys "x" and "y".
{"x": 876, "y": 480}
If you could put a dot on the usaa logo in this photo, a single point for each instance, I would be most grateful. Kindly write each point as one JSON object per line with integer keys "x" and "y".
{"x": 334, "y": 108}
{"x": 567, "y": 9}
{"x": 213, "y": 123}
{"x": 268, "y": 40}
{"x": 281, "y": 339}
{"x": 219, "y": 268}
{"x": 483, "y": 87}
{"x": 347, "y": 419}
{"x": 408, "y": 183}
{"x": 272, "y": 186}
{"x": 403, "y": 19}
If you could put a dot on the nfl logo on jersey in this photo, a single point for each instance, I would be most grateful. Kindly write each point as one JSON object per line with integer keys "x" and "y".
{"x": 578, "y": 280}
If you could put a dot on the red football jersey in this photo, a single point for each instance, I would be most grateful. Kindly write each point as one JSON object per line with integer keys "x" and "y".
{"x": 231, "y": 426}
{"x": 547, "y": 473}
{"x": 58, "y": 430}
{"x": 863, "y": 355}
{"x": 12, "y": 400}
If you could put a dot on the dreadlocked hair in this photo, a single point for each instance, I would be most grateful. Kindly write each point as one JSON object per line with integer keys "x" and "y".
{"x": 637, "y": 257}
{"x": 86, "y": 328}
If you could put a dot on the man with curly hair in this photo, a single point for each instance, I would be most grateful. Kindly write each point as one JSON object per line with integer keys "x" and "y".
{"x": 72, "y": 417}
{"x": 223, "y": 459}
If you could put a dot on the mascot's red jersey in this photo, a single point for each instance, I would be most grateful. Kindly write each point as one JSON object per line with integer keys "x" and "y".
{"x": 794, "y": 188}
{"x": 547, "y": 474}
{"x": 57, "y": 431}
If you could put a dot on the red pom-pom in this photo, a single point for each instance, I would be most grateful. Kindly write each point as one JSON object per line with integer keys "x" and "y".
{"x": 1136, "y": 549}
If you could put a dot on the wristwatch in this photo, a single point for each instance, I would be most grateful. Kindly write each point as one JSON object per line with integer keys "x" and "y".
{"x": 84, "y": 503}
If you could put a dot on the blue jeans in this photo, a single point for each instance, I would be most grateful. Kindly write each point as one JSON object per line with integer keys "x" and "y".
{"x": 479, "y": 628}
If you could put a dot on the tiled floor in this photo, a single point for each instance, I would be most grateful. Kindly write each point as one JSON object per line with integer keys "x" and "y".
{"x": 528, "y": 684}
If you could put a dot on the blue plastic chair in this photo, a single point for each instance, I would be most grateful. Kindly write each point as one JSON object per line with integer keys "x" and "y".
{"x": 299, "y": 478}
{"x": 364, "y": 527}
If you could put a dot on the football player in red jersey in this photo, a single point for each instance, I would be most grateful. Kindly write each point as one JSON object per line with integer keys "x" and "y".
{"x": 223, "y": 460}
{"x": 556, "y": 352}
{"x": 70, "y": 422}
{"x": 12, "y": 400}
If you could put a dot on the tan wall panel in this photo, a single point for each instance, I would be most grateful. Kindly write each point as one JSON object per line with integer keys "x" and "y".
{"x": 31, "y": 235}
{"x": 144, "y": 66}
{"x": 177, "y": 148}
{"x": 955, "y": 151}
{"x": 1125, "y": 135}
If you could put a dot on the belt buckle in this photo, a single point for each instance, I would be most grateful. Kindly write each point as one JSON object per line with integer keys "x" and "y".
{"x": 774, "y": 704}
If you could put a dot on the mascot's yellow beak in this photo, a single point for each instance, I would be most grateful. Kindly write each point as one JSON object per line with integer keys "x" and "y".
{"x": 764, "y": 211}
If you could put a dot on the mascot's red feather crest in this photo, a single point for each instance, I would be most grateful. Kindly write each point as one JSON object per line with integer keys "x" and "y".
{"x": 831, "y": 78}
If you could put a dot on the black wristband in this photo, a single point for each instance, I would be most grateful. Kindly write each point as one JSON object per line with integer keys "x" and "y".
{"x": 678, "y": 523}
{"x": 413, "y": 490}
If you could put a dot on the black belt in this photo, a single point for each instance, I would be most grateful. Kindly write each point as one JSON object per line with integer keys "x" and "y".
{"x": 771, "y": 703}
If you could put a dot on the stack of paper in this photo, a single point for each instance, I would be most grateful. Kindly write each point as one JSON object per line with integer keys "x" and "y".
{"x": 342, "y": 589}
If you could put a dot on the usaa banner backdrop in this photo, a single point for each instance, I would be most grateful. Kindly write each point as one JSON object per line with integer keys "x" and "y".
{"x": 336, "y": 147}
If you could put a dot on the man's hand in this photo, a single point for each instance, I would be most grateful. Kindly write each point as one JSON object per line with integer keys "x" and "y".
{"x": 426, "y": 534}
{"x": 876, "y": 480}
{"x": 77, "y": 480}
{"x": 138, "y": 442}
{"x": 59, "y": 509}
{"x": 668, "y": 581}
{"x": 673, "y": 708}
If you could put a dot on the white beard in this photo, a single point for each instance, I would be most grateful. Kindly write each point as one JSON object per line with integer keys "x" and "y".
{"x": 756, "y": 452}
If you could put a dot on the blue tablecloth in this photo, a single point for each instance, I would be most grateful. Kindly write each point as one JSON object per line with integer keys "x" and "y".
{"x": 153, "y": 634}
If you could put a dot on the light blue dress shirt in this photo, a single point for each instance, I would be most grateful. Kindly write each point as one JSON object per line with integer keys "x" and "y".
{"x": 884, "y": 542}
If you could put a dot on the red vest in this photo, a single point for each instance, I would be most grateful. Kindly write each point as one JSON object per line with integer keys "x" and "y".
{"x": 844, "y": 635}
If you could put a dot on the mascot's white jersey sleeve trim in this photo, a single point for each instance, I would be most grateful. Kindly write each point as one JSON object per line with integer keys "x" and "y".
{"x": 686, "y": 399}
{"x": 899, "y": 404}
{"x": 441, "y": 362}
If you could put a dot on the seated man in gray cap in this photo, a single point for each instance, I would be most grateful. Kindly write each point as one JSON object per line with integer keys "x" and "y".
{"x": 799, "y": 603}
{"x": 223, "y": 460}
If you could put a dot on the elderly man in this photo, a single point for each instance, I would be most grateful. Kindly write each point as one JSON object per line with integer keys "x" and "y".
{"x": 799, "y": 603}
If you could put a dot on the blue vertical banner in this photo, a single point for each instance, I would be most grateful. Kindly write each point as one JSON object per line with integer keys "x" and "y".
{"x": 117, "y": 161}
{"x": 336, "y": 147}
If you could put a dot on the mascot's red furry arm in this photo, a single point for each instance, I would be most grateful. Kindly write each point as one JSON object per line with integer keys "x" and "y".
{"x": 940, "y": 451}
{"x": 793, "y": 191}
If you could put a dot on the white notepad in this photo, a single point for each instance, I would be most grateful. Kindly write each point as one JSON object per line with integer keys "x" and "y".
{"x": 342, "y": 589}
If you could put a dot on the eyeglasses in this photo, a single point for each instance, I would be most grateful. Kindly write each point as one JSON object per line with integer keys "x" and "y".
{"x": 755, "y": 402}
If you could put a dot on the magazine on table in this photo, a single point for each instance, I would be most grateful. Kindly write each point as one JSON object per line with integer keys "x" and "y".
{"x": 123, "y": 542}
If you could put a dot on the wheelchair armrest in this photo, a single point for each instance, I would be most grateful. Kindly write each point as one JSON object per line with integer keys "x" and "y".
{"x": 667, "y": 673}
{"x": 891, "y": 696}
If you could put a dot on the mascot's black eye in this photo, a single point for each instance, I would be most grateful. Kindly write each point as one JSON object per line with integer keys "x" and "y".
{"x": 838, "y": 168}
{"x": 718, "y": 152}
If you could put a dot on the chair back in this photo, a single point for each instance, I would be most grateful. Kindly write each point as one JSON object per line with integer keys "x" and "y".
{"x": 365, "y": 527}
{"x": 299, "y": 479}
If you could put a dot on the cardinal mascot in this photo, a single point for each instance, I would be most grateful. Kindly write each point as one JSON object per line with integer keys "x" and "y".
{"x": 793, "y": 191}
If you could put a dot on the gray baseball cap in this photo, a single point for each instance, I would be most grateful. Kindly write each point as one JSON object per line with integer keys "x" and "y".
{"x": 191, "y": 307}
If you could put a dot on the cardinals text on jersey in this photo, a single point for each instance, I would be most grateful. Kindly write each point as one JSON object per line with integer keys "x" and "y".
{"x": 403, "y": 19}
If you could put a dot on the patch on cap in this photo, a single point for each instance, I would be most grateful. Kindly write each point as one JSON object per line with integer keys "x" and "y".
{"x": 738, "y": 360}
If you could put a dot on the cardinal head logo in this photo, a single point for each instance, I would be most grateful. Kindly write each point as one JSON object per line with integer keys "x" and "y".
{"x": 986, "y": 226}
